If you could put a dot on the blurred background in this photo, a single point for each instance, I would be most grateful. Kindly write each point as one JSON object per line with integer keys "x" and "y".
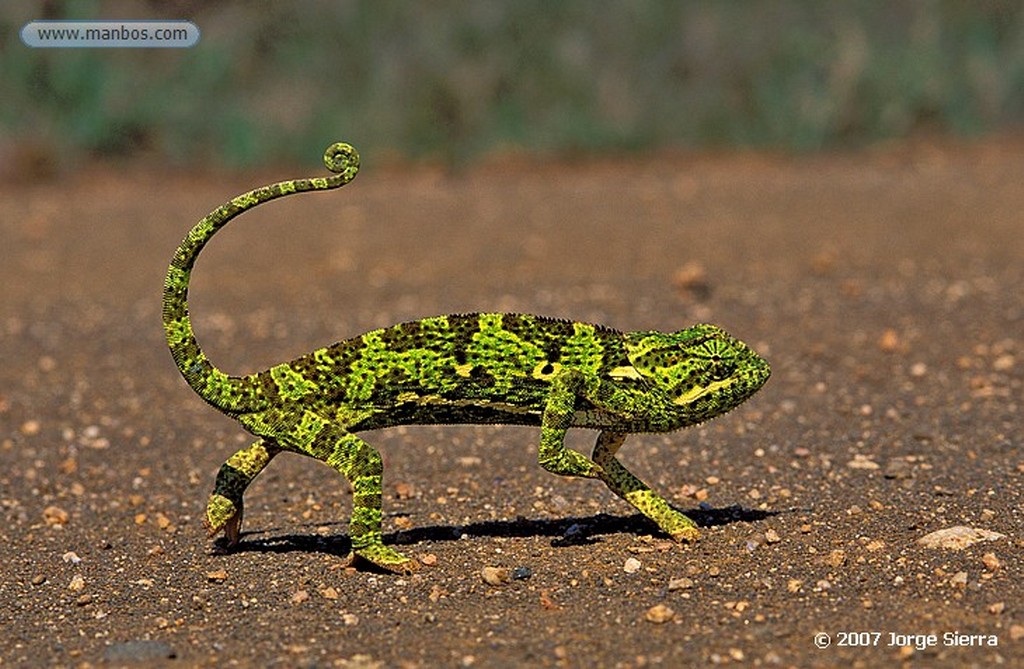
{"x": 456, "y": 80}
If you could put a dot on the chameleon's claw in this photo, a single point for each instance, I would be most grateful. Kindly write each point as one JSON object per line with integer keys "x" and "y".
{"x": 233, "y": 528}
{"x": 222, "y": 514}
{"x": 686, "y": 535}
{"x": 384, "y": 558}
{"x": 681, "y": 528}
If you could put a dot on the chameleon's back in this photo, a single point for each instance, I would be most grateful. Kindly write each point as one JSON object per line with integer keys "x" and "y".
{"x": 462, "y": 368}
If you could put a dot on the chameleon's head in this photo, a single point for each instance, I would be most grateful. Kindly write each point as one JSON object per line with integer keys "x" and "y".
{"x": 702, "y": 370}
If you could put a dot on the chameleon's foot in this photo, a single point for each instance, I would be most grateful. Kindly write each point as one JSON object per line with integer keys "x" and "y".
{"x": 568, "y": 462}
{"x": 385, "y": 558}
{"x": 681, "y": 528}
{"x": 222, "y": 514}
{"x": 687, "y": 535}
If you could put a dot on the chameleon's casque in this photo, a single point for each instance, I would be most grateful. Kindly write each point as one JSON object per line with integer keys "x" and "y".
{"x": 462, "y": 368}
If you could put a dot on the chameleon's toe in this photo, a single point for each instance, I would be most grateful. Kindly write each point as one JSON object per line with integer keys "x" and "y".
{"x": 385, "y": 558}
{"x": 682, "y": 529}
{"x": 233, "y": 528}
{"x": 568, "y": 462}
{"x": 222, "y": 514}
{"x": 686, "y": 535}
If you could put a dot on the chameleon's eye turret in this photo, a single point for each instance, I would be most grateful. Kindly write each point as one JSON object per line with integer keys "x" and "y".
{"x": 703, "y": 370}
{"x": 722, "y": 370}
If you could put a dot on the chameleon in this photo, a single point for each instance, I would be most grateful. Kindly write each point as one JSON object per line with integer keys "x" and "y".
{"x": 469, "y": 368}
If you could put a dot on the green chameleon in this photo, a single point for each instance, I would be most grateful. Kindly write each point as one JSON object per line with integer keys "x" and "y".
{"x": 463, "y": 368}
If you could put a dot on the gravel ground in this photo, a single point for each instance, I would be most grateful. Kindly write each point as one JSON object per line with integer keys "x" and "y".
{"x": 886, "y": 287}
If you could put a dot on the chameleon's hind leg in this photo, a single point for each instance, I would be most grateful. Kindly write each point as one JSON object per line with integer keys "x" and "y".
{"x": 224, "y": 510}
{"x": 361, "y": 464}
{"x": 553, "y": 454}
{"x": 627, "y": 486}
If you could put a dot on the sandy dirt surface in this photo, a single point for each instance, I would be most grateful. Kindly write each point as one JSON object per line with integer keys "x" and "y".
{"x": 886, "y": 287}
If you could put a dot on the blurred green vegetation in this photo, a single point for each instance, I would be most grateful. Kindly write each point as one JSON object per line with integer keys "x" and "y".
{"x": 454, "y": 79}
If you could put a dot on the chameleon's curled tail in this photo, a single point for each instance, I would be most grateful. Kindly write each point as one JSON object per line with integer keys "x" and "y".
{"x": 228, "y": 393}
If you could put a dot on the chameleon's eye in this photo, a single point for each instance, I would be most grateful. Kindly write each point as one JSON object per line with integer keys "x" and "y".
{"x": 722, "y": 371}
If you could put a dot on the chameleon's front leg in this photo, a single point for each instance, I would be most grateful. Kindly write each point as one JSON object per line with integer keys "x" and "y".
{"x": 556, "y": 420}
{"x": 224, "y": 510}
{"x": 627, "y": 486}
{"x": 361, "y": 465}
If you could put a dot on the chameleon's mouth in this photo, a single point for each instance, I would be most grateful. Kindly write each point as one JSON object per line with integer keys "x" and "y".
{"x": 694, "y": 394}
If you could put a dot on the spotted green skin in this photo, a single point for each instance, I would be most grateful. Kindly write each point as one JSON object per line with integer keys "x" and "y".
{"x": 463, "y": 368}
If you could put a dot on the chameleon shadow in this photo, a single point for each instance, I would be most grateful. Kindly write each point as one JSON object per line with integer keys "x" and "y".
{"x": 571, "y": 531}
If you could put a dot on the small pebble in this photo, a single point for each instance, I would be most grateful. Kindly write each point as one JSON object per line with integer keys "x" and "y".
{"x": 691, "y": 281}
{"x": 824, "y": 261}
{"x": 54, "y": 515}
{"x": 658, "y": 614}
{"x": 30, "y": 428}
{"x": 991, "y": 562}
{"x": 218, "y": 576}
{"x": 631, "y": 566}
{"x": 1003, "y": 363}
{"x": 77, "y": 583}
{"x": 889, "y": 342}
{"x": 495, "y": 575}
{"x": 682, "y": 583}
{"x": 521, "y": 573}
{"x": 898, "y": 468}
{"x": 574, "y": 535}
{"x": 958, "y": 538}
{"x": 862, "y": 462}
{"x": 755, "y": 541}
